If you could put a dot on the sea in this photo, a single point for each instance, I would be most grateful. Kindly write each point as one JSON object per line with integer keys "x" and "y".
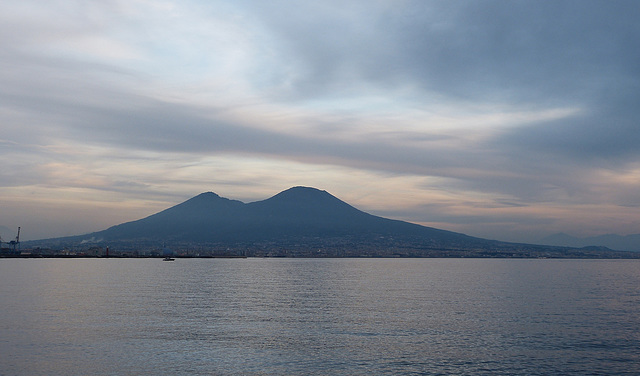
{"x": 287, "y": 316}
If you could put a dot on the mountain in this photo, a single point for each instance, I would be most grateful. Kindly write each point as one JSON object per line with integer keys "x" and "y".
{"x": 300, "y": 221}
{"x": 620, "y": 242}
{"x": 201, "y": 218}
{"x": 295, "y": 214}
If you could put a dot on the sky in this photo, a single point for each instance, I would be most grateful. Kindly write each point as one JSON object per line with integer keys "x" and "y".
{"x": 508, "y": 120}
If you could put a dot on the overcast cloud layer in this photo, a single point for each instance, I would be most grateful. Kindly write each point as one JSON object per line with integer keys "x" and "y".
{"x": 502, "y": 119}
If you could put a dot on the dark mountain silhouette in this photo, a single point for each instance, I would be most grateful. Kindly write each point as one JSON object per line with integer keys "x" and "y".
{"x": 204, "y": 217}
{"x": 613, "y": 241}
{"x": 300, "y": 221}
{"x": 295, "y": 213}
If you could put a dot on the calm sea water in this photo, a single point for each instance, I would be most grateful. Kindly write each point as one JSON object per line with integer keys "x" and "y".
{"x": 319, "y": 317}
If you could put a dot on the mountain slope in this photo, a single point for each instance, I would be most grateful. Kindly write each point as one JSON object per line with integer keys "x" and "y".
{"x": 311, "y": 212}
{"x": 197, "y": 219}
{"x": 296, "y": 212}
{"x": 300, "y": 216}
{"x": 300, "y": 221}
{"x": 613, "y": 241}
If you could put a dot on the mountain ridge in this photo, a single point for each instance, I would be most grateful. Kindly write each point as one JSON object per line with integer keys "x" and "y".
{"x": 614, "y": 241}
{"x": 300, "y": 222}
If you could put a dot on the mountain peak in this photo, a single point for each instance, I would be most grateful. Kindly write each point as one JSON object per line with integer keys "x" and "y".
{"x": 206, "y": 201}
{"x": 302, "y": 188}
{"x": 303, "y": 192}
{"x": 207, "y": 195}
{"x": 305, "y": 197}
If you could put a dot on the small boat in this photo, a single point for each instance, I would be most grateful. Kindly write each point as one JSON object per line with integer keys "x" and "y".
{"x": 168, "y": 259}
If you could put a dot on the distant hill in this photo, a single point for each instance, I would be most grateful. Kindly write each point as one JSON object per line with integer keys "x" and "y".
{"x": 613, "y": 241}
{"x": 301, "y": 222}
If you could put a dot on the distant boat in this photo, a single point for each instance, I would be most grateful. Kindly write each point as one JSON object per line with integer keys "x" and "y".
{"x": 168, "y": 259}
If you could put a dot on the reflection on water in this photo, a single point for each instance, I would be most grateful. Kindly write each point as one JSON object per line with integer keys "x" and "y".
{"x": 318, "y": 316}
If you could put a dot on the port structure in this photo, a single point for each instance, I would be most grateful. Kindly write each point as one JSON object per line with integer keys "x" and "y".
{"x": 16, "y": 243}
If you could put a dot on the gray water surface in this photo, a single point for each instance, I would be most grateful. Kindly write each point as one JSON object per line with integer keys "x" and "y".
{"x": 319, "y": 317}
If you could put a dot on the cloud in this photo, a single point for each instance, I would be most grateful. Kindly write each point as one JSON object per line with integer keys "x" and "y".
{"x": 505, "y": 106}
{"x": 507, "y": 51}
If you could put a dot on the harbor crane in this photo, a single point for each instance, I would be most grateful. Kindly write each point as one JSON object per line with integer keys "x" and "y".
{"x": 16, "y": 242}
